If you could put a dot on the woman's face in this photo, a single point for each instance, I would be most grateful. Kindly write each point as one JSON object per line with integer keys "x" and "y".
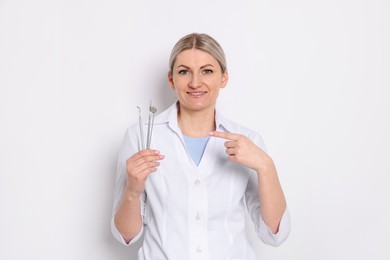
{"x": 197, "y": 78}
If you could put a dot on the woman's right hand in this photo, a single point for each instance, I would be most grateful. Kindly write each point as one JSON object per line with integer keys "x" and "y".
{"x": 138, "y": 168}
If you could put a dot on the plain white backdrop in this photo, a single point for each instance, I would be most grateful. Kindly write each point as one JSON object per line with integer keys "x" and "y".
{"x": 312, "y": 77}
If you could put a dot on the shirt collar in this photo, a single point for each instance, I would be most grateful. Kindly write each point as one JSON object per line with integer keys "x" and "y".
{"x": 222, "y": 123}
{"x": 170, "y": 116}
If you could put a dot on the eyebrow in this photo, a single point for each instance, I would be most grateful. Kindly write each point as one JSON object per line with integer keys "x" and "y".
{"x": 204, "y": 66}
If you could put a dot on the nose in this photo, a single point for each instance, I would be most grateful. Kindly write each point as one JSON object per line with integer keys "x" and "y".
{"x": 195, "y": 81}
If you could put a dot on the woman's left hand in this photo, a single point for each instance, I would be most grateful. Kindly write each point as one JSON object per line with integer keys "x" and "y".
{"x": 242, "y": 150}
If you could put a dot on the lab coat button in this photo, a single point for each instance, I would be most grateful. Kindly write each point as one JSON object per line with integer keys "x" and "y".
{"x": 197, "y": 182}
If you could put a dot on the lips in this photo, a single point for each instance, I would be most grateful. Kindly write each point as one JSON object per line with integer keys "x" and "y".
{"x": 197, "y": 93}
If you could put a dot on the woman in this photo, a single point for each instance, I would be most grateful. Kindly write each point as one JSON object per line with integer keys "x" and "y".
{"x": 190, "y": 194}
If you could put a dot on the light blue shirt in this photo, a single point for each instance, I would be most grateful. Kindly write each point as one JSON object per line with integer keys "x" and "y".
{"x": 196, "y": 147}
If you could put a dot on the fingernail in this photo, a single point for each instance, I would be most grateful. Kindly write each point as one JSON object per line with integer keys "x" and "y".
{"x": 156, "y": 152}
{"x": 211, "y": 133}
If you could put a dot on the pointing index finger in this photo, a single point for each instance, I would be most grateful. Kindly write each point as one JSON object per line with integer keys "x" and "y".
{"x": 224, "y": 135}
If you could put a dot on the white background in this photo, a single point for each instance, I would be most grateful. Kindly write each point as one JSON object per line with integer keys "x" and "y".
{"x": 311, "y": 76}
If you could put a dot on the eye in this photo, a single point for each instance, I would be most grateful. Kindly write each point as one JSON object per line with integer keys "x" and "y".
{"x": 183, "y": 72}
{"x": 207, "y": 71}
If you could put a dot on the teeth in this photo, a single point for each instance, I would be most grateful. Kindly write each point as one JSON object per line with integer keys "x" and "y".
{"x": 196, "y": 93}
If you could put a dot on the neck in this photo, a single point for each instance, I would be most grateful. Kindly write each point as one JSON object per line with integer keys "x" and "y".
{"x": 196, "y": 123}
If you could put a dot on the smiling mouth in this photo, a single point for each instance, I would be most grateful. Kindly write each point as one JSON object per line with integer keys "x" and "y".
{"x": 197, "y": 93}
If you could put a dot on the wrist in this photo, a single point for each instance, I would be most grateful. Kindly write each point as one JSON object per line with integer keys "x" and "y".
{"x": 131, "y": 195}
{"x": 268, "y": 167}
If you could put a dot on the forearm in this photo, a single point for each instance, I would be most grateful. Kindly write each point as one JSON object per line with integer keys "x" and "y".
{"x": 128, "y": 218}
{"x": 272, "y": 200}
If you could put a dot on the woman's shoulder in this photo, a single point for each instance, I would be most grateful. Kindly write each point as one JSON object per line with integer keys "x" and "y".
{"x": 235, "y": 127}
{"x": 132, "y": 128}
{"x": 238, "y": 128}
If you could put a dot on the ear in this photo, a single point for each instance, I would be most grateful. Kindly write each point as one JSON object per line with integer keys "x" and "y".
{"x": 170, "y": 80}
{"x": 225, "y": 79}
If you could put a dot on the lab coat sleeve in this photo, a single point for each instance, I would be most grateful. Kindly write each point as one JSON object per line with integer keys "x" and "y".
{"x": 253, "y": 206}
{"x": 129, "y": 147}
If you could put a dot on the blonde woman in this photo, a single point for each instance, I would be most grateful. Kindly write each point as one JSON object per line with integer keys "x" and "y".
{"x": 190, "y": 193}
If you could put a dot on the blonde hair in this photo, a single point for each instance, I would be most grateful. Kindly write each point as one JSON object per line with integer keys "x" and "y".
{"x": 198, "y": 41}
